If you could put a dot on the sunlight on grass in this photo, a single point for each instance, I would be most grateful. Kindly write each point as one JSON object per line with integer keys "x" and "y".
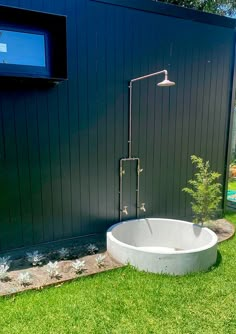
{"x": 232, "y": 184}
{"x": 126, "y": 301}
{"x": 231, "y": 216}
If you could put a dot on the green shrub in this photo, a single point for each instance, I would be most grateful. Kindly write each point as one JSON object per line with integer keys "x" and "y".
{"x": 204, "y": 190}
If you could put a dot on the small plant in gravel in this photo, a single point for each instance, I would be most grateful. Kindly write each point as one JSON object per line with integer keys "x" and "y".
{"x": 92, "y": 249}
{"x": 24, "y": 278}
{"x": 35, "y": 258}
{"x": 53, "y": 269}
{"x": 5, "y": 260}
{"x": 63, "y": 253}
{"x": 3, "y": 271}
{"x": 100, "y": 260}
{"x": 78, "y": 266}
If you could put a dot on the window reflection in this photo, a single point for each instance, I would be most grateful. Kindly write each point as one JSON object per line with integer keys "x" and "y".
{"x": 20, "y": 48}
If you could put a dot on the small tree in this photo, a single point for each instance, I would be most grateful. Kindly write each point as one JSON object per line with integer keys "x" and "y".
{"x": 222, "y": 7}
{"x": 204, "y": 190}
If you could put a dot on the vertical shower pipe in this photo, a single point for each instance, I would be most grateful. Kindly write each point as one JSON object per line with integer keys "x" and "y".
{"x": 130, "y": 158}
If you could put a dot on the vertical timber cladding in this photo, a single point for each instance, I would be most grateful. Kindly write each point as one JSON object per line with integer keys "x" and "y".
{"x": 192, "y": 118}
{"x": 60, "y": 146}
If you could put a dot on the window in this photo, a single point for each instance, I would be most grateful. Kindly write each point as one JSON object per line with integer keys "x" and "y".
{"x": 23, "y": 52}
{"x": 32, "y": 46}
{"x": 21, "y": 48}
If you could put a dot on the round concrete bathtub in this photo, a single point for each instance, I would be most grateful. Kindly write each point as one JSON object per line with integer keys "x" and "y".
{"x": 163, "y": 245}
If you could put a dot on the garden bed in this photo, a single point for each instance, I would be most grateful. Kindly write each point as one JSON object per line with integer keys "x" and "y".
{"x": 39, "y": 273}
{"x": 222, "y": 228}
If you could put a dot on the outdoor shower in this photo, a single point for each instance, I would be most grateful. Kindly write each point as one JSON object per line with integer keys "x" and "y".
{"x": 124, "y": 210}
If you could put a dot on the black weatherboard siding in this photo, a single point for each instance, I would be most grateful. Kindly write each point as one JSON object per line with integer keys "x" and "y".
{"x": 60, "y": 146}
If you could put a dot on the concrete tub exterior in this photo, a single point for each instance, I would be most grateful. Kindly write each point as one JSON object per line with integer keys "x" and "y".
{"x": 163, "y": 245}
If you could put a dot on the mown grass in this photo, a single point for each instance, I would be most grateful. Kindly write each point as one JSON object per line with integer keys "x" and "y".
{"x": 126, "y": 301}
{"x": 232, "y": 184}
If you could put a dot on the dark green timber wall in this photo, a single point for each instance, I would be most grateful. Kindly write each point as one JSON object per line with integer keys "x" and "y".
{"x": 60, "y": 146}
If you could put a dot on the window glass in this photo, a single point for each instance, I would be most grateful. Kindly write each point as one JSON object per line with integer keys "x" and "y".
{"x": 20, "y": 48}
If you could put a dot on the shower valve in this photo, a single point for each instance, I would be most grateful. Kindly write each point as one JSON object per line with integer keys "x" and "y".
{"x": 122, "y": 172}
{"x": 140, "y": 170}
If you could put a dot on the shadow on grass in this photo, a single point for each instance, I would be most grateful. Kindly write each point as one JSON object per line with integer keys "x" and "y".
{"x": 218, "y": 261}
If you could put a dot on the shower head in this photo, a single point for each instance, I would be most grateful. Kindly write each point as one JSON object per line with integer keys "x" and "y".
{"x": 166, "y": 83}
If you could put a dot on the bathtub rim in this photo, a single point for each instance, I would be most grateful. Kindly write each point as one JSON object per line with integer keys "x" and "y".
{"x": 209, "y": 245}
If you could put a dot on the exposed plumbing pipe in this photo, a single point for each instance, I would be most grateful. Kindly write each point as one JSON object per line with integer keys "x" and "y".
{"x": 122, "y": 172}
{"x": 164, "y": 83}
{"x": 130, "y": 103}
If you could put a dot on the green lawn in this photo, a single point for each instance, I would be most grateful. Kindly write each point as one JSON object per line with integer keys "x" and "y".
{"x": 232, "y": 185}
{"x": 126, "y": 301}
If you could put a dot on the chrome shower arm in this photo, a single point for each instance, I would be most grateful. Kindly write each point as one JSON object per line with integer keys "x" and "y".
{"x": 150, "y": 75}
{"x": 130, "y": 104}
